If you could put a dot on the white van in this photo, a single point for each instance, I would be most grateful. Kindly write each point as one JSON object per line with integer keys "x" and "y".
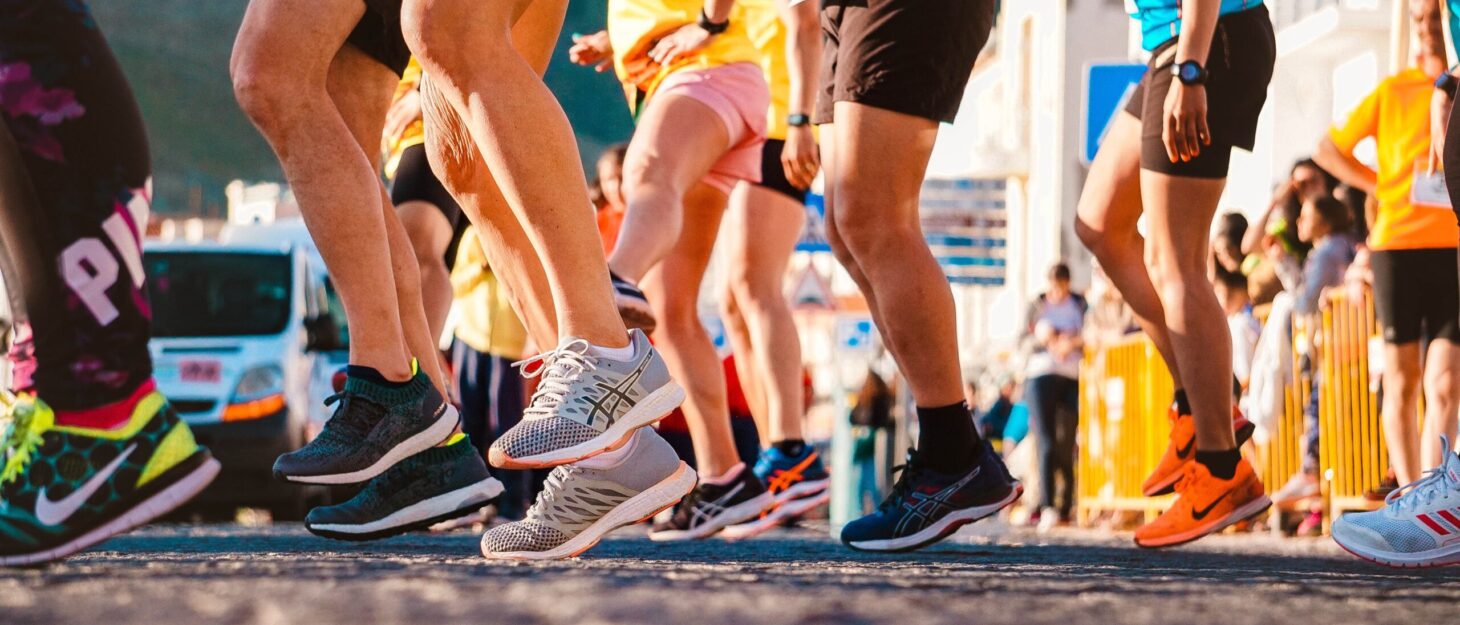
{"x": 245, "y": 341}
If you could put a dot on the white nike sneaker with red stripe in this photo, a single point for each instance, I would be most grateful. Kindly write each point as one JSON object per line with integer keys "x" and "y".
{"x": 1419, "y": 525}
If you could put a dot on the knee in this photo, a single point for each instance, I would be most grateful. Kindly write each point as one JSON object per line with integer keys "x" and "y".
{"x": 266, "y": 92}
{"x": 1440, "y": 386}
{"x": 869, "y": 238}
{"x": 436, "y": 35}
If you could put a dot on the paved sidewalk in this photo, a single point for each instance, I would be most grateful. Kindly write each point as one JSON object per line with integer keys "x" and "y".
{"x": 249, "y": 575}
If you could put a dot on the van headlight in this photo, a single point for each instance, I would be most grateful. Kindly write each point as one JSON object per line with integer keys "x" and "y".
{"x": 260, "y": 393}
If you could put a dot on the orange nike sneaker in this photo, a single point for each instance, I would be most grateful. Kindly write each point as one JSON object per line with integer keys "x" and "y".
{"x": 1206, "y": 505}
{"x": 1182, "y": 450}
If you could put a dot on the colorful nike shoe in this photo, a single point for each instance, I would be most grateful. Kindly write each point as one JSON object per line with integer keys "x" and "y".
{"x": 373, "y": 428}
{"x": 586, "y": 404}
{"x": 798, "y": 483}
{"x": 1182, "y": 450}
{"x": 926, "y": 506}
{"x": 710, "y": 508}
{"x": 439, "y": 484}
{"x": 1206, "y": 505}
{"x": 66, "y": 488}
{"x": 1419, "y": 525}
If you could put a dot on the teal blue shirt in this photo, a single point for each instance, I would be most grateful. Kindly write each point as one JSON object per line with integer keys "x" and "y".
{"x": 1161, "y": 19}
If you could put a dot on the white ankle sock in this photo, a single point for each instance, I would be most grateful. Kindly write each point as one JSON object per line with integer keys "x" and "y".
{"x": 615, "y": 457}
{"x": 726, "y": 477}
{"x": 621, "y": 354}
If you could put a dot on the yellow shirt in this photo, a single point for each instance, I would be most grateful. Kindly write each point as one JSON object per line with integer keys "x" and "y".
{"x": 634, "y": 26}
{"x": 486, "y": 321}
{"x": 1397, "y": 116}
{"x": 767, "y": 33}
{"x": 415, "y": 133}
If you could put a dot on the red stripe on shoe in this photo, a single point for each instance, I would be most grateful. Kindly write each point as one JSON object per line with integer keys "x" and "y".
{"x": 108, "y": 417}
{"x": 1439, "y": 529}
{"x": 1454, "y": 522}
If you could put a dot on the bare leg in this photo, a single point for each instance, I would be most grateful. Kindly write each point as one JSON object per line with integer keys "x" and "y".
{"x": 281, "y": 66}
{"x": 673, "y": 289}
{"x": 466, "y": 48}
{"x": 1401, "y": 404}
{"x": 738, "y": 334}
{"x": 762, "y": 230}
{"x": 1181, "y": 212}
{"x": 1442, "y": 406}
{"x": 877, "y": 174}
{"x": 1110, "y": 207}
{"x": 430, "y": 236}
{"x": 839, "y": 247}
{"x": 677, "y": 141}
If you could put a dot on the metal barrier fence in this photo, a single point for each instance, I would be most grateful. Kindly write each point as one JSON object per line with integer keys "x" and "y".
{"x": 1125, "y": 395}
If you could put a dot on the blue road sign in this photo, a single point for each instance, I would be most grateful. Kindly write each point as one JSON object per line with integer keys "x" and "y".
{"x": 1107, "y": 87}
{"x": 813, "y": 238}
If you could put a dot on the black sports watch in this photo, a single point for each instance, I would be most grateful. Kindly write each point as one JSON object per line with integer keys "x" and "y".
{"x": 712, "y": 27}
{"x": 797, "y": 120}
{"x": 1447, "y": 83}
{"x": 1189, "y": 73}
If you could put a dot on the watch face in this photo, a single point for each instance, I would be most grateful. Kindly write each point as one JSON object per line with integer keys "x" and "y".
{"x": 1190, "y": 72}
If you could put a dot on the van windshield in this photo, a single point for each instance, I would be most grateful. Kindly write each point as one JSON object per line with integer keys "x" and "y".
{"x": 218, "y": 294}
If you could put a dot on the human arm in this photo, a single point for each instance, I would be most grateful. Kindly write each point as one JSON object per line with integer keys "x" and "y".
{"x": 801, "y": 157}
{"x": 1185, "y": 129}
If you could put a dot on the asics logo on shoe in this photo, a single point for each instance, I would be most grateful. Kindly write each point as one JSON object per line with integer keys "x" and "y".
{"x": 54, "y": 513}
{"x": 924, "y": 509}
{"x": 1201, "y": 513}
{"x": 614, "y": 397}
{"x": 786, "y": 478}
{"x": 706, "y": 510}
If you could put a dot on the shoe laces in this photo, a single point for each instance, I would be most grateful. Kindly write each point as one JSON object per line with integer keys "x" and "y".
{"x": 908, "y": 474}
{"x": 559, "y": 369}
{"x": 21, "y": 434}
{"x": 352, "y": 421}
{"x": 552, "y": 488}
{"x": 1424, "y": 490}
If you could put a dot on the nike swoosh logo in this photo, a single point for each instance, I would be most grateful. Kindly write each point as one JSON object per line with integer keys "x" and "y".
{"x": 1198, "y": 515}
{"x": 55, "y": 513}
{"x": 1183, "y": 452}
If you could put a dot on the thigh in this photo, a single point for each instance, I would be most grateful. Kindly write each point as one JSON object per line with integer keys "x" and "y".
{"x": 536, "y": 31}
{"x": 760, "y": 233}
{"x": 1180, "y": 212}
{"x": 1442, "y": 295}
{"x": 361, "y": 88}
{"x": 681, "y": 273}
{"x": 1110, "y": 201}
{"x": 677, "y": 142}
{"x": 298, "y": 37}
{"x": 1398, "y": 298}
{"x": 889, "y": 154}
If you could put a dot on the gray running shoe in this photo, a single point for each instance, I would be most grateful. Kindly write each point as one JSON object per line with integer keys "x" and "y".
{"x": 586, "y": 404}
{"x": 436, "y": 485}
{"x": 373, "y": 428}
{"x": 579, "y": 505}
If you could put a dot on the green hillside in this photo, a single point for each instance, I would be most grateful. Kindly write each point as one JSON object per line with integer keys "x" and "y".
{"x": 176, "y": 55}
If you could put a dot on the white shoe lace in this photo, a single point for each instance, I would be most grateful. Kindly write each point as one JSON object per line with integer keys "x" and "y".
{"x": 1422, "y": 491}
{"x": 560, "y": 369}
{"x": 554, "y": 485}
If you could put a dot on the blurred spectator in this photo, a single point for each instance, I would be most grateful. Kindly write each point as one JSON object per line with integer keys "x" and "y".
{"x": 1412, "y": 240}
{"x": 1231, "y": 288}
{"x": 612, "y": 205}
{"x": 1273, "y": 249}
{"x": 998, "y": 425}
{"x": 1227, "y": 244}
{"x": 1052, "y": 390}
{"x": 1109, "y": 318}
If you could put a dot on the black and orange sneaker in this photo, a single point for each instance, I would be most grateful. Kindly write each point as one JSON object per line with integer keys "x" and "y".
{"x": 1182, "y": 449}
{"x": 799, "y": 484}
{"x": 1206, "y": 504}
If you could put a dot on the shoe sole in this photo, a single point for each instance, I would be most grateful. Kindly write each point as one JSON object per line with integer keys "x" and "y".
{"x": 426, "y": 439}
{"x": 418, "y": 516}
{"x": 778, "y": 516}
{"x": 157, "y": 505}
{"x": 636, "y": 314}
{"x": 1248, "y": 510}
{"x": 941, "y": 529}
{"x": 1168, "y": 485}
{"x": 648, "y": 412}
{"x": 734, "y": 515}
{"x": 636, "y": 509}
{"x": 1444, "y": 556}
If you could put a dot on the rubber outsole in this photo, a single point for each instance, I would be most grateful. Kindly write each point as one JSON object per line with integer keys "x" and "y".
{"x": 940, "y": 530}
{"x": 430, "y": 437}
{"x": 784, "y": 512}
{"x": 1248, "y": 510}
{"x": 637, "y": 509}
{"x": 651, "y": 410}
{"x": 477, "y": 496}
{"x": 169, "y": 498}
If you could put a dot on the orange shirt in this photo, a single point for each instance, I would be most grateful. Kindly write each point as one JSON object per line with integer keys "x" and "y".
{"x": 610, "y": 220}
{"x": 1397, "y": 116}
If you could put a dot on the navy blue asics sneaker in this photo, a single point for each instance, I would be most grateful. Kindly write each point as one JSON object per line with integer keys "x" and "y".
{"x": 926, "y": 506}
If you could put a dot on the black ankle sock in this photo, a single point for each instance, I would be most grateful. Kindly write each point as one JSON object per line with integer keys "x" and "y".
{"x": 370, "y": 374}
{"x": 792, "y": 447}
{"x": 947, "y": 440}
{"x": 1222, "y": 464}
{"x": 1183, "y": 405}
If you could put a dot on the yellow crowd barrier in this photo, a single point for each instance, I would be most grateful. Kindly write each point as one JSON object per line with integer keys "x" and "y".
{"x": 1125, "y": 394}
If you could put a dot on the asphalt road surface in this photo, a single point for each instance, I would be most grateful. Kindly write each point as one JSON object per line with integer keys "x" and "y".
{"x": 233, "y": 574}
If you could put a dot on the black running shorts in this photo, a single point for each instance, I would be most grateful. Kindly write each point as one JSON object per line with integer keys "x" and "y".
{"x": 415, "y": 182}
{"x": 1239, "y": 68}
{"x": 1417, "y": 294}
{"x": 910, "y": 57}
{"x": 378, "y": 34}
{"x": 773, "y": 174}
